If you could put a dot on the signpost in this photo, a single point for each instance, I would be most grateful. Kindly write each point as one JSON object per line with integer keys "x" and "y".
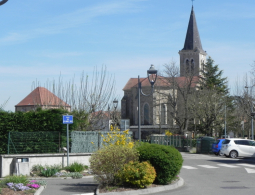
{"x": 67, "y": 119}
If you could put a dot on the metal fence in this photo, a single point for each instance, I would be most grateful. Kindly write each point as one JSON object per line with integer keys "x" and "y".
{"x": 177, "y": 141}
{"x": 33, "y": 142}
{"x": 88, "y": 141}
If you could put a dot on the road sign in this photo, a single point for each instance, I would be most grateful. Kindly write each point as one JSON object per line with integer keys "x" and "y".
{"x": 67, "y": 119}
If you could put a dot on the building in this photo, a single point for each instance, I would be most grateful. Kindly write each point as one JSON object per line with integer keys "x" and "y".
{"x": 41, "y": 98}
{"x": 154, "y": 109}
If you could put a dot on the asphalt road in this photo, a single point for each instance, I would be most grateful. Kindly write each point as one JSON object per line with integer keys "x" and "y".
{"x": 211, "y": 175}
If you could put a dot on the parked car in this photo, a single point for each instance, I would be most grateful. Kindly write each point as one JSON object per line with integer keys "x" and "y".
{"x": 216, "y": 146}
{"x": 235, "y": 147}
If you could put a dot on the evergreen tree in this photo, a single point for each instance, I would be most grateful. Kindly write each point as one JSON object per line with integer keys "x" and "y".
{"x": 211, "y": 77}
{"x": 212, "y": 100}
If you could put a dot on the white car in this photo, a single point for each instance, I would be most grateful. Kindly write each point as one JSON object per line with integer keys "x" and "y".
{"x": 234, "y": 147}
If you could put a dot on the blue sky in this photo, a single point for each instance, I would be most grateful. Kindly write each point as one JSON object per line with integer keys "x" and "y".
{"x": 41, "y": 39}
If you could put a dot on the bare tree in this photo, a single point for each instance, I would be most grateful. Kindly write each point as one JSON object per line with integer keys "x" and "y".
{"x": 179, "y": 90}
{"x": 90, "y": 96}
{"x": 2, "y": 106}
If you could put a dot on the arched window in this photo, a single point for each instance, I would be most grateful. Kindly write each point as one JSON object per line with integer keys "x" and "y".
{"x": 192, "y": 66}
{"x": 146, "y": 114}
{"x": 187, "y": 66}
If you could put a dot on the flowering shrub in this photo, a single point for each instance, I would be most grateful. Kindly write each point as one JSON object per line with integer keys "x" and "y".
{"x": 18, "y": 186}
{"x": 106, "y": 163}
{"x": 137, "y": 174}
{"x": 117, "y": 137}
{"x": 168, "y": 133}
{"x": 33, "y": 184}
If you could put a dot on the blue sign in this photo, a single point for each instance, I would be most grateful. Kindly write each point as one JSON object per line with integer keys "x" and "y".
{"x": 67, "y": 119}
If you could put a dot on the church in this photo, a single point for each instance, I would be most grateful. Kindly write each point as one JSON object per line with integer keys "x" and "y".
{"x": 155, "y": 117}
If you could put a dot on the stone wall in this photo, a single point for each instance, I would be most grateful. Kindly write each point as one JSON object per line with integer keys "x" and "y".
{"x": 8, "y": 161}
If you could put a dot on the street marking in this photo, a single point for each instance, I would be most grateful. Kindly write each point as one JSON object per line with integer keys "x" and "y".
{"x": 226, "y": 165}
{"x": 246, "y": 165}
{"x": 250, "y": 170}
{"x": 188, "y": 167}
{"x": 208, "y": 166}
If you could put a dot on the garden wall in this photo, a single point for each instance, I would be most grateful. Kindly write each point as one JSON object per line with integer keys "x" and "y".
{"x": 8, "y": 161}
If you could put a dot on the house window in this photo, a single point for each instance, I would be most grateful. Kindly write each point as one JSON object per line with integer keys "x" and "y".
{"x": 146, "y": 114}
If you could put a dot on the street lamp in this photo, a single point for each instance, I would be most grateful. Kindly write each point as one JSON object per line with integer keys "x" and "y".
{"x": 3, "y": 2}
{"x": 115, "y": 104}
{"x": 152, "y": 77}
{"x": 252, "y": 134}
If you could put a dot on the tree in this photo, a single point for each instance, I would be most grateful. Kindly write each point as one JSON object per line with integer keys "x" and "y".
{"x": 177, "y": 93}
{"x": 209, "y": 101}
{"x": 211, "y": 77}
{"x": 3, "y": 105}
{"x": 88, "y": 98}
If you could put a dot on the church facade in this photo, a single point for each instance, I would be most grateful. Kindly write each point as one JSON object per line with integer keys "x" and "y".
{"x": 155, "y": 117}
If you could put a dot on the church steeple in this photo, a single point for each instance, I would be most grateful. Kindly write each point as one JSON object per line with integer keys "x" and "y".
{"x": 192, "y": 56}
{"x": 192, "y": 40}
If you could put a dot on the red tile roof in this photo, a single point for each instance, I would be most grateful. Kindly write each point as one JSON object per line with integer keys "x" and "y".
{"x": 161, "y": 81}
{"x": 43, "y": 97}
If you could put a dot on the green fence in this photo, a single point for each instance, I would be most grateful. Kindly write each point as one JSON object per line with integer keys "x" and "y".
{"x": 33, "y": 142}
{"x": 177, "y": 141}
{"x": 88, "y": 141}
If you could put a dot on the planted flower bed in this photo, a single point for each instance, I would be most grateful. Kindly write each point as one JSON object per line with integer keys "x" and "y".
{"x": 75, "y": 170}
{"x": 19, "y": 185}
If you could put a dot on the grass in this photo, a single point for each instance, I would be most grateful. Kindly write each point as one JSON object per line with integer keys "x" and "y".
{"x": 15, "y": 179}
{"x": 76, "y": 167}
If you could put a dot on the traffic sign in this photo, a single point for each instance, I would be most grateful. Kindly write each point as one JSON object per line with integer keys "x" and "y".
{"x": 67, "y": 119}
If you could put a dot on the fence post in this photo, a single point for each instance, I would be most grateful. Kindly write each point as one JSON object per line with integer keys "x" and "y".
{"x": 9, "y": 143}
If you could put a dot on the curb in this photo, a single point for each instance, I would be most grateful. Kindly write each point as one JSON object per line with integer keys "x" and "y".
{"x": 39, "y": 191}
{"x": 148, "y": 190}
{"x": 50, "y": 178}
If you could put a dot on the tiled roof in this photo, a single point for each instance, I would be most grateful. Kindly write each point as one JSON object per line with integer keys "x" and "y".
{"x": 43, "y": 97}
{"x": 161, "y": 81}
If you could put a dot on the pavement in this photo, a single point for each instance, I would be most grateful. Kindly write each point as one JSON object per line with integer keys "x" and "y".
{"x": 88, "y": 186}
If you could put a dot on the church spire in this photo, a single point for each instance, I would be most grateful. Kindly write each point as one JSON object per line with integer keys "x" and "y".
{"x": 192, "y": 40}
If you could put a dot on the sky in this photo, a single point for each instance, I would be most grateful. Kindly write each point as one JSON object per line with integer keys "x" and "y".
{"x": 41, "y": 40}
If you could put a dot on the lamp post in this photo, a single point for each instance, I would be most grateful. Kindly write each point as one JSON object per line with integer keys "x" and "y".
{"x": 252, "y": 134}
{"x": 3, "y": 2}
{"x": 152, "y": 77}
{"x": 115, "y": 105}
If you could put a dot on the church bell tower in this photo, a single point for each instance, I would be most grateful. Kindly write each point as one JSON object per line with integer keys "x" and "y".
{"x": 192, "y": 56}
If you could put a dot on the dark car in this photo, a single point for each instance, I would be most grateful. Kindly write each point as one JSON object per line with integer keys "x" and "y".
{"x": 216, "y": 146}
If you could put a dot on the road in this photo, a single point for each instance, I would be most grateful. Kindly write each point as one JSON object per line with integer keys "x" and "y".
{"x": 210, "y": 175}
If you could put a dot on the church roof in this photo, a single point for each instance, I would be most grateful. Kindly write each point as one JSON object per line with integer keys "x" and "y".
{"x": 192, "y": 40}
{"x": 161, "y": 81}
{"x": 43, "y": 97}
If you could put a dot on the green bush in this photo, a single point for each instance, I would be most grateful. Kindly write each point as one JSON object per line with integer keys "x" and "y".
{"x": 166, "y": 160}
{"x": 49, "y": 172}
{"x": 106, "y": 163}
{"x": 137, "y": 174}
{"x": 76, "y": 167}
